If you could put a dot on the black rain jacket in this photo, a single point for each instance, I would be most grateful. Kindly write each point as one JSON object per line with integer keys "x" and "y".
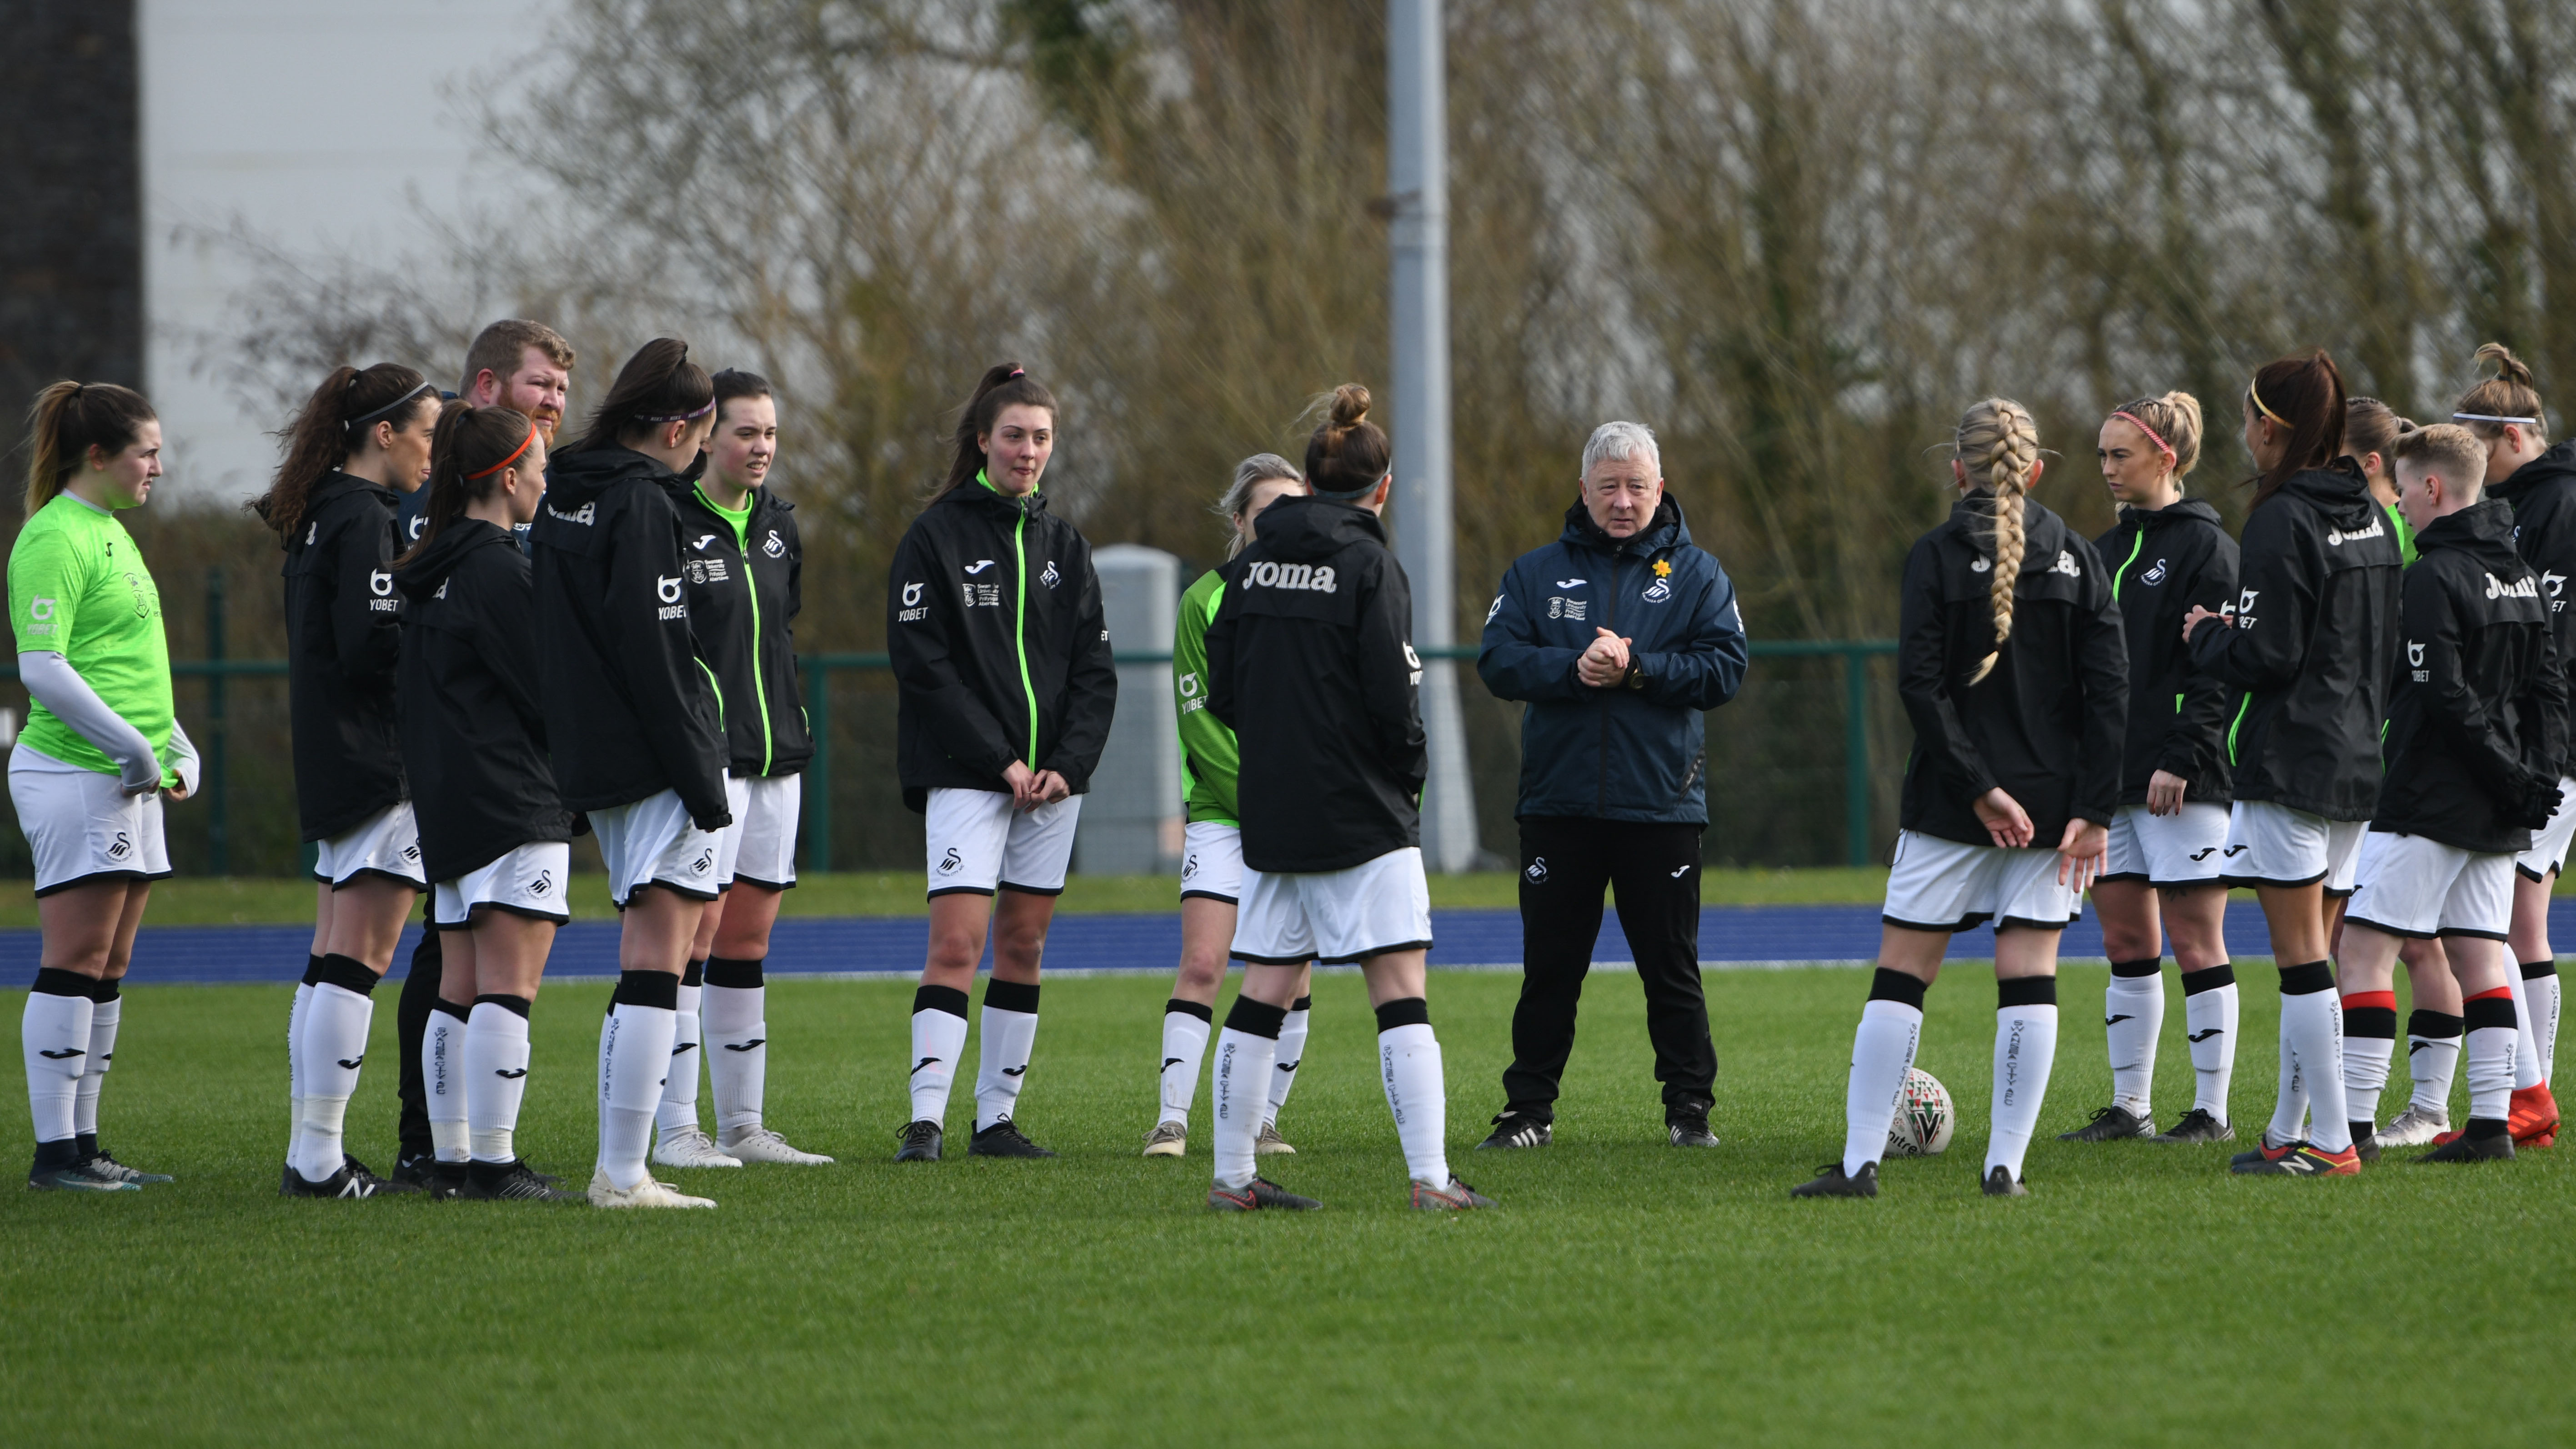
{"x": 993, "y": 620}
{"x": 474, "y": 728}
{"x": 2542, "y": 494}
{"x": 343, "y": 640}
{"x": 745, "y": 592}
{"x": 2479, "y": 695}
{"x": 630, "y": 707}
{"x": 2162, "y": 563}
{"x": 2046, "y": 724}
{"x": 1311, "y": 664}
{"x": 2314, "y": 632}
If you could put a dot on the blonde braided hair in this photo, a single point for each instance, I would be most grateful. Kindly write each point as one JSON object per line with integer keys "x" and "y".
{"x": 1998, "y": 439}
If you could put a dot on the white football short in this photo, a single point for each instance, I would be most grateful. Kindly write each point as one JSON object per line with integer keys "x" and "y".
{"x": 1334, "y": 916}
{"x": 2548, "y": 853}
{"x": 760, "y": 845}
{"x": 2167, "y": 850}
{"x": 2411, "y": 886}
{"x": 1212, "y": 862}
{"x": 653, "y": 842}
{"x": 2274, "y": 845}
{"x": 978, "y": 843}
{"x": 1946, "y": 885}
{"x": 81, "y": 826}
{"x": 386, "y": 843}
{"x": 729, "y": 839}
{"x": 529, "y": 881}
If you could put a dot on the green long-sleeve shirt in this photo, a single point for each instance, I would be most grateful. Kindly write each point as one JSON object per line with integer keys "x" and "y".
{"x": 1209, "y": 758}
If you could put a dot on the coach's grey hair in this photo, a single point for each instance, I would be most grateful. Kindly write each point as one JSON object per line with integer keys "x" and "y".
{"x": 1251, "y": 472}
{"x": 1622, "y": 441}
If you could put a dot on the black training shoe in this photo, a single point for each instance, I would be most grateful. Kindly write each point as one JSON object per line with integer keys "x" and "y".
{"x": 1262, "y": 1193}
{"x": 920, "y": 1142}
{"x": 2365, "y": 1140}
{"x": 509, "y": 1182}
{"x": 416, "y": 1168}
{"x": 2111, "y": 1124}
{"x": 1831, "y": 1181}
{"x": 102, "y": 1163}
{"x": 1003, "y": 1139}
{"x": 2001, "y": 1183}
{"x": 1512, "y": 1129}
{"x": 2461, "y": 1147}
{"x": 1690, "y": 1131}
{"x": 352, "y": 1180}
{"x": 2197, "y": 1125}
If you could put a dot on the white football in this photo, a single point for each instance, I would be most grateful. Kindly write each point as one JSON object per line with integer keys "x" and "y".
{"x": 1924, "y": 1117}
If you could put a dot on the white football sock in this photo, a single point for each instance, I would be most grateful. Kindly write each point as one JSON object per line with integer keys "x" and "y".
{"x": 1891, "y": 1027}
{"x": 1002, "y": 1056}
{"x": 2025, "y": 1050}
{"x": 1417, "y": 1092}
{"x": 295, "y": 1064}
{"x": 2540, "y": 1002}
{"x": 938, "y": 1040}
{"x": 495, "y": 1075}
{"x": 2369, "y": 1041}
{"x": 334, "y": 1048}
{"x": 1239, "y": 1092}
{"x": 679, "y": 1109}
{"x": 637, "y": 1055}
{"x": 53, "y": 1035}
{"x": 1292, "y": 1052}
{"x": 2313, "y": 1023}
{"x": 2490, "y": 1051}
{"x": 2209, "y": 1026}
{"x": 2290, "y": 1106}
{"x": 2432, "y": 1057}
{"x": 442, "y": 1059}
{"x": 1185, "y": 1039}
{"x": 2526, "y": 1051}
{"x": 2133, "y": 1012}
{"x": 103, "y": 1017}
{"x": 737, "y": 1051}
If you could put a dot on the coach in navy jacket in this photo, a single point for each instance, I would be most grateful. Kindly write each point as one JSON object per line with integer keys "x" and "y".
{"x": 1618, "y": 637}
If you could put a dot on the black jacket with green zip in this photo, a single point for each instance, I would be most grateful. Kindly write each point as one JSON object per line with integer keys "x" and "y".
{"x": 2311, "y": 641}
{"x": 2162, "y": 562}
{"x": 631, "y": 708}
{"x": 745, "y": 591}
{"x": 1000, "y": 651}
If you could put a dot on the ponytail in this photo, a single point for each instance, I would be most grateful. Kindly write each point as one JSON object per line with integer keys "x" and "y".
{"x": 332, "y": 427}
{"x": 1003, "y": 384}
{"x": 2304, "y": 395}
{"x": 467, "y": 455}
{"x": 1347, "y": 454}
{"x": 1997, "y": 441}
{"x": 2172, "y": 423}
{"x": 68, "y": 420}
{"x": 2509, "y": 396}
{"x": 659, "y": 384}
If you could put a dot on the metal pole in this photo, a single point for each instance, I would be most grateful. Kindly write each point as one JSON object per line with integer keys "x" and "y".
{"x": 1856, "y": 757}
{"x": 219, "y": 852}
{"x": 818, "y": 770}
{"x": 1418, "y": 194}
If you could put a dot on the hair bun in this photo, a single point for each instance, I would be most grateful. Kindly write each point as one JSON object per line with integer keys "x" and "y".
{"x": 1350, "y": 405}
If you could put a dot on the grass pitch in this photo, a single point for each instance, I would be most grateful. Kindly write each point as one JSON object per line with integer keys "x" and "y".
{"x": 1625, "y": 1292}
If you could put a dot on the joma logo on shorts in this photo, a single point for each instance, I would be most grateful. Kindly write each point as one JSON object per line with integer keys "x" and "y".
{"x": 1315, "y": 577}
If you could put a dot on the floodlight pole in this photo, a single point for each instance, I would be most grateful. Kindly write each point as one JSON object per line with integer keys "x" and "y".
{"x": 1417, "y": 170}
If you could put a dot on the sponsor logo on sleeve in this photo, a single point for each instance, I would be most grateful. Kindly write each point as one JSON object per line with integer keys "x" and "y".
{"x": 381, "y": 584}
{"x": 2245, "y": 608}
{"x": 1413, "y": 662}
{"x": 667, "y": 587}
{"x": 40, "y": 612}
{"x": 1496, "y": 609}
{"x": 913, "y": 610}
{"x": 2415, "y": 655}
{"x": 2550, "y": 584}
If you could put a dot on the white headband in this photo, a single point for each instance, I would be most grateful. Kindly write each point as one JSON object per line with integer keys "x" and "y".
{"x": 2488, "y": 418}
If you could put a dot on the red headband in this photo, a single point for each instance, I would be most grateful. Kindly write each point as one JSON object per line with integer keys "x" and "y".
{"x": 514, "y": 456}
{"x": 2152, "y": 435}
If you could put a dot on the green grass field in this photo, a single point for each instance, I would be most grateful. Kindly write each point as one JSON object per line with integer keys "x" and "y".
{"x": 1625, "y": 1292}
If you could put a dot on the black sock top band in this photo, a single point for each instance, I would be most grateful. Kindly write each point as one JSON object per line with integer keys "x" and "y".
{"x": 1404, "y": 1011}
{"x": 2483, "y": 1012}
{"x": 1020, "y": 996}
{"x": 2307, "y": 980}
{"x": 516, "y": 1005}
{"x": 2434, "y": 1024}
{"x": 54, "y": 981}
{"x": 106, "y": 989}
{"x": 2012, "y": 991}
{"x": 1301, "y": 1003}
{"x": 459, "y": 1010}
{"x": 2196, "y": 982}
{"x": 349, "y": 974}
{"x": 695, "y": 974}
{"x": 648, "y": 988}
{"x": 1898, "y": 987}
{"x": 940, "y": 998}
{"x": 2376, "y": 1022}
{"x": 733, "y": 973}
{"x": 2534, "y": 970}
{"x": 1255, "y": 1018}
{"x": 1177, "y": 1006}
{"x": 313, "y": 966}
{"x": 2149, "y": 967}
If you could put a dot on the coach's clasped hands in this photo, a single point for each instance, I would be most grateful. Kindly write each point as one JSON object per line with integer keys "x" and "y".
{"x": 1605, "y": 664}
{"x": 1033, "y": 788}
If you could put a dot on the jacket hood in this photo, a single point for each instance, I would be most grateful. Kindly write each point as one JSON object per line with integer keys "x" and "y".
{"x": 2044, "y": 534}
{"x": 1314, "y": 528}
{"x": 2338, "y": 491}
{"x": 2554, "y": 466}
{"x": 2189, "y": 508}
{"x": 421, "y": 577}
{"x": 2483, "y": 531}
{"x": 573, "y": 479}
{"x": 1665, "y": 530}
